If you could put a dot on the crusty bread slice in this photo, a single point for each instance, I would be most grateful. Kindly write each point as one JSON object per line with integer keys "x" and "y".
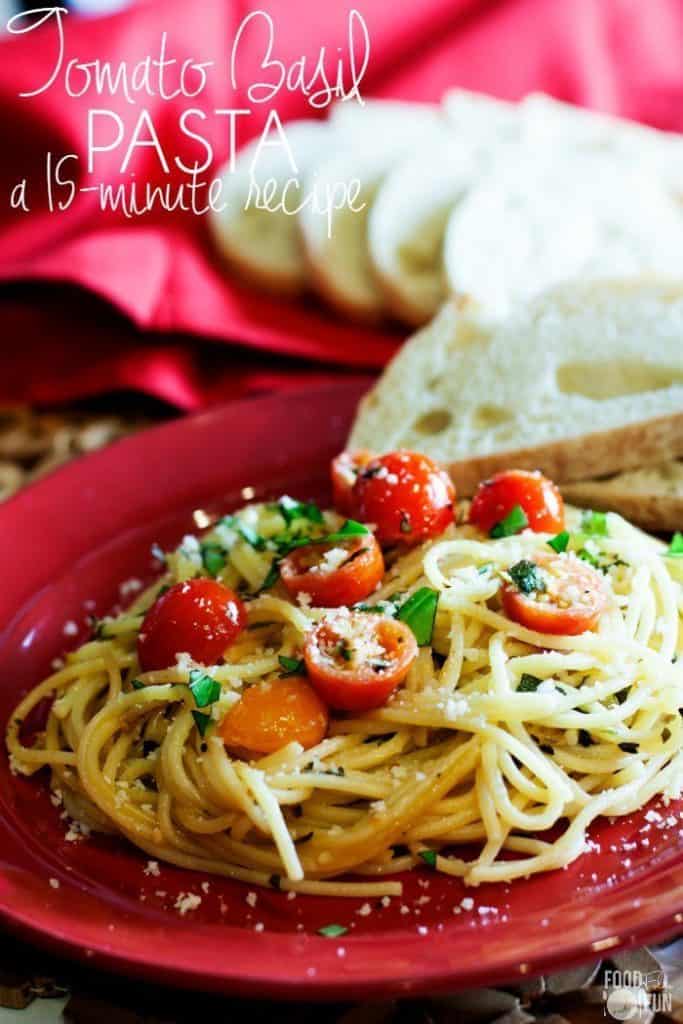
{"x": 583, "y": 382}
{"x": 407, "y": 224}
{"x": 336, "y": 247}
{"x": 557, "y": 216}
{"x": 263, "y": 245}
{"x": 652, "y": 496}
{"x": 548, "y": 122}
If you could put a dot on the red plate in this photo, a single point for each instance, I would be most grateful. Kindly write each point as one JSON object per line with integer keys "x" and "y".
{"x": 67, "y": 543}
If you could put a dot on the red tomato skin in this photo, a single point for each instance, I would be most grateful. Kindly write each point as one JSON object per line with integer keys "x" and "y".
{"x": 538, "y": 497}
{"x": 359, "y": 689}
{"x": 550, "y": 618}
{"x": 269, "y": 716}
{"x": 200, "y": 617}
{"x": 407, "y": 496}
{"x": 344, "y": 471}
{"x": 346, "y": 585}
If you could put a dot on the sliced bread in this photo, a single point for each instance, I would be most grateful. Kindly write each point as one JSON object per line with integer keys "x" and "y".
{"x": 583, "y": 382}
{"x": 335, "y": 245}
{"x": 262, "y": 245}
{"x": 652, "y": 497}
{"x": 555, "y": 217}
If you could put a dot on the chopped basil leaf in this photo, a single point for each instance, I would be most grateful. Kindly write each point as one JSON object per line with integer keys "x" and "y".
{"x": 485, "y": 568}
{"x": 291, "y": 666}
{"x": 419, "y": 612}
{"x": 292, "y": 509}
{"x": 390, "y": 606}
{"x": 271, "y": 577}
{"x": 594, "y": 524}
{"x": 213, "y": 558}
{"x": 275, "y": 881}
{"x": 429, "y": 857}
{"x": 588, "y": 556}
{"x": 333, "y": 931}
{"x": 629, "y": 748}
{"x": 205, "y": 690}
{"x": 676, "y": 546}
{"x": 559, "y": 542}
{"x": 585, "y": 738}
{"x": 247, "y": 534}
{"x": 350, "y": 529}
{"x": 528, "y": 683}
{"x": 514, "y": 522}
{"x": 137, "y": 684}
{"x": 202, "y": 722}
{"x": 527, "y": 577}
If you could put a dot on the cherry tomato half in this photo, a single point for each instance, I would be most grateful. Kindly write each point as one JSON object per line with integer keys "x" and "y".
{"x": 356, "y": 660}
{"x": 272, "y": 714}
{"x": 538, "y": 497}
{"x": 345, "y": 469}
{"x": 572, "y": 602}
{"x": 334, "y": 574}
{"x": 200, "y": 617}
{"x": 406, "y": 495}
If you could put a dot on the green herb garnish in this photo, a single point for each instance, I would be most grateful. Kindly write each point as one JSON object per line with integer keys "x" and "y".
{"x": 213, "y": 558}
{"x": 271, "y": 577}
{"x": 205, "y": 690}
{"x": 254, "y": 539}
{"x": 585, "y": 738}
{"x": 332, "y": 931}
{"x": 527, "y": 577}
{"x": 528, "y": 683}
{"x": 587, "y": 556}
{"x": 292, "y": 509}
{"x": 429, "y": 857}
{"x": 291, "y": 666}
{"x": 594, "y": 523}
{"x": 137, "y": 684}
{"x": 559, "y": 542}
{"x": 419, "y": 613}
{"x": 350, "y": 529}
{"x": 514, "y": 522}
{"x": 202, "y": 722}
{"x": 675, "y": 549}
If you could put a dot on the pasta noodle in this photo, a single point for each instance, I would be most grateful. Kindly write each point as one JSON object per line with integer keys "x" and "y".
{"x": 461, "y": 755}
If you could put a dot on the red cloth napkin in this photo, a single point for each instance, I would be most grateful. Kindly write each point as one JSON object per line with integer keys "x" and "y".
{"x": 158, "y": 283}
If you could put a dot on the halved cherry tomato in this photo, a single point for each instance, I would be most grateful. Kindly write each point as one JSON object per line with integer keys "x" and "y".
{"x": 356, "y": 660}
{"x": 345, "y": 469}
{"x": 334, "y": 574}
{"x": 538, "y": 497}
{"x": 270, "y": 715}
{"x": 406, "y": 495}
{"x": 200, "y": 617}
{"x": 572, "y": 602}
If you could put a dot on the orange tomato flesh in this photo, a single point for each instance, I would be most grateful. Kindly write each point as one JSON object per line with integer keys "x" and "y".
{"x": 270, "y": 715}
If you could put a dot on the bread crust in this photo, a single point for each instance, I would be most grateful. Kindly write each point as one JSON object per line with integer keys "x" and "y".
{"x": 659, "y": 512}
{"x": 631, "y": 446}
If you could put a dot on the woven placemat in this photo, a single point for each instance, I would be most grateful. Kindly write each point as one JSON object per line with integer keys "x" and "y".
{"x": 644, "y": 985}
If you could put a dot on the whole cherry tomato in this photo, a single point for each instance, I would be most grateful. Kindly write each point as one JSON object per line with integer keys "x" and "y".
{"x": 538, "y": 497}
{"x": 272, "y": 714}
{"x": 200, "y": 617}
{"x": 406, "y": 495}
{"x": 345, "y": 469}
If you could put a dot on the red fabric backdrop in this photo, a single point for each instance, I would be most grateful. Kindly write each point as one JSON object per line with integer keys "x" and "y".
{"x": 90, "y": 302}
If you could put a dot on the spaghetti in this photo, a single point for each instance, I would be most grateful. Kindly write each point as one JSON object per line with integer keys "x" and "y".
{"x": 501, "y": 739}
